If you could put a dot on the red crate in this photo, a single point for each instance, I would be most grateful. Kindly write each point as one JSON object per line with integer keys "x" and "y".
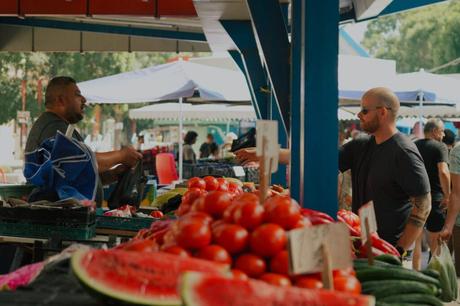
{"x": 53, "y": 7}
{"x": 122, "y": 7}
{"x": 9, "y": 8}
{"x": 176, "y": 8}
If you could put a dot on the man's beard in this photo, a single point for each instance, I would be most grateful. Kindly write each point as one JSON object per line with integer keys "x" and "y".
{"x": 371, "y": 126}
{"x": 74, "y": 118}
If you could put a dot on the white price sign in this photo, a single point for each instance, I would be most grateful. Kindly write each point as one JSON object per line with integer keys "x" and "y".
{"x": 367, "y": 215}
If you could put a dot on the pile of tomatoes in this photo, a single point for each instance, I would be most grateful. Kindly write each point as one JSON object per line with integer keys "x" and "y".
{"x": 217, "y": 221}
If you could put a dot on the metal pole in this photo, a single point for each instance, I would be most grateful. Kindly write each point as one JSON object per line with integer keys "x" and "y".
{"x": 181, "y": 158}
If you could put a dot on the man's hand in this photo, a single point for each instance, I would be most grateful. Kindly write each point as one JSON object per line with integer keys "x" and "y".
{"x": 445, "y": 203}
{"x": 129, "y": 156}
{"x": 246, "y": 155}
{"x": 112, "y": 175}
{"x": 445, "y": 234}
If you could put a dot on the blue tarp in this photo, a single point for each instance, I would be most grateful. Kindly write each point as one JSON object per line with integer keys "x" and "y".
{"x": 63, "y": 165}
{"x": 403, "y": 96}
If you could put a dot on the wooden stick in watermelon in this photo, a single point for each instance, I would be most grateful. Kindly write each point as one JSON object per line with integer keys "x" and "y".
{"x": 367, "y": 215}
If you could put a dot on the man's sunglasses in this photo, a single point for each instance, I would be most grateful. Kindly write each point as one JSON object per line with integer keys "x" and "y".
{"x": 365, "y": 111}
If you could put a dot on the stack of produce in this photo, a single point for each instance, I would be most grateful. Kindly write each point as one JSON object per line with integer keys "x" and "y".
{"x": 392, "y": 284}
{"x": 379, "y": 246}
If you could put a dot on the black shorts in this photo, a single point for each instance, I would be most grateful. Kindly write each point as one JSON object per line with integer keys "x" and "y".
{"x": 436, "y": 219}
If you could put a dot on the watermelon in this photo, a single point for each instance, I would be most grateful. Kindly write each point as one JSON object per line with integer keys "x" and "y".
{"x": 200, "y": 289}
{"x": 136, "y": 278}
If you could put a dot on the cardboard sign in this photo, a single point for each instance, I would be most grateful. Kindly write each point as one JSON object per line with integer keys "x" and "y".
{"x": 239, "y": 171}
{"x": 367, "y": 212}
{"x": 267, "y": 143}
{"x": 306, "y": 248}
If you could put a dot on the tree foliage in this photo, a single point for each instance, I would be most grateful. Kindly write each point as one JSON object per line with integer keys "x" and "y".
{"x": 424, "y": 38}
{"x": 34, "y": 66}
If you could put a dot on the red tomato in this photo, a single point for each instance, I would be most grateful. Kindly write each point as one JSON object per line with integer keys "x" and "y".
{"x": 253, "y": 265}
{"x": 344, "y": 272}
{"x": 196, "y": 182}
{"x": 157, "y": 214}
{"x": 169, "y": 239}
{"x": 177, "y": 250}
{"x": 268, "y": 240}
{"x": 144, "y": 245}
{"x": 276, "y": 279}
{"x": 217, "y": 226}
{"x": 229, "y": 211}
{"x": 223, "y": 184}
{"x": 215, "y": 203}
{"x": 347, "y": 284}
{"x": 303, "y": 222}
{"x": 196, "y": 216}
{"x": 238, "y": 274}
{"x": 234, "y": 238}
{"x": 235, "y": 188}
{"x": 198, "y": 204}
{"x": 183, "y": 209}
{"x": 309, "y": 282}
{"x": 193, "y": 234}
{"x": 283, "y": 211}
{"x": 191, "y": 195}
{"x": 214, "y": 253}
{"x": 211, "y": 183}
{"x": 249, "y": 215}
{"x": 280, "y": 263}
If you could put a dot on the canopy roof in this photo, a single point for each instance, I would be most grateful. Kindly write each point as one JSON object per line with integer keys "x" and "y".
{"x": 210, "y": 112}
{"x": 168, "y": 82}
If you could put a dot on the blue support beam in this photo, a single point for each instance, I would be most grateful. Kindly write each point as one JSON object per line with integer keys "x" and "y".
{"x": 243, "y": 37}
{"x": 279, "y": 177}
{"x": 272, "y": 41}
{"x": 101, "y": 28}
{"x": 315, "y": 84}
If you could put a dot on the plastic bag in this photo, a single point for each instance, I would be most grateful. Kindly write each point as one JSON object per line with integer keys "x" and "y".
{"x": 443, "y": 263}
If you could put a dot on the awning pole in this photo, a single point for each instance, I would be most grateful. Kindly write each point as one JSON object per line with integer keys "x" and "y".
{"x": 181, "y": 158}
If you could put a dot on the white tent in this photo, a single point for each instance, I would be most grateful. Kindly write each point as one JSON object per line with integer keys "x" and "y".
{"x": 210, "y": 112}
{"x": 168, "y": 82}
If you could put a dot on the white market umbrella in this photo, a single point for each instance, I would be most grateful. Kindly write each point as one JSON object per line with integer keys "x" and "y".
{"x": 168, "y": 82}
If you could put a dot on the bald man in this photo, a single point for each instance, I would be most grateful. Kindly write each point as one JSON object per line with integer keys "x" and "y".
{"x": 65, "y": 105}
{"x": 387, "y": 169}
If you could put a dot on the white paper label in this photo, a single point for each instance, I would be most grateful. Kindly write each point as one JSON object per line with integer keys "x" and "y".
{"x": 239, "y": 171}
{"x": 267, "y": 143}
{"x": 367, "y": 212}
{"x": 305, "y": 247}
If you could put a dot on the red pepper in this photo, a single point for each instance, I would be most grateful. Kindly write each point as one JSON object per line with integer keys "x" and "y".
{"x": 354, "y": 231}
{"x": 350, "y": 218}
{"x": 307, "y": 212}
{"x": 363, "y": 251}
{"x": 316, "y": 220}
{"x": 383, "y": 245}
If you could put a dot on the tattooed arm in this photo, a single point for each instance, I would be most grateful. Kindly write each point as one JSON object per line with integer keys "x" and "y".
{"x": 420, "y": 211}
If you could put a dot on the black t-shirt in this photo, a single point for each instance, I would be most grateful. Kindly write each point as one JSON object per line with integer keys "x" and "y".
{"x": 46, "y": 126}
{"x": 388, "y": 174}
{"x": 433, "y": 152}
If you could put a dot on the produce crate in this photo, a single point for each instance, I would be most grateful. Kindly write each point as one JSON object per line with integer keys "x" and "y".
{"x": 120, "y": 223}
{"x": 26, "y": 229}
{"x": 15, "y": 191}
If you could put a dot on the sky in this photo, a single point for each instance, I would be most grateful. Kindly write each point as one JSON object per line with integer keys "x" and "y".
{"x": 356, "y": 30}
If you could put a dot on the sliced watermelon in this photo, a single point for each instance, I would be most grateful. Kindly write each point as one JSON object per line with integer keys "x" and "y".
{"x": 134, "y": 277}
{"x": 200, "y": 289}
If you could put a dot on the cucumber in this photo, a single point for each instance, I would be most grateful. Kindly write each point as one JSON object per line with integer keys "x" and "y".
{"x": 413, "y": 298}
{"x": 391, "y": 259}
{"x": 400, "y": 287}
{"x": 431, "y": 272}
{"x": 377, "y": 273}
{"x": 362, "y": 263}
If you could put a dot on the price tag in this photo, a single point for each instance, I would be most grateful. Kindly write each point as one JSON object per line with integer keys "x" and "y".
{"x": 367, "y": 212}
{"x": 307, "y": 245}
{"x": 267, "y": 143}
{"x": 239, "y": 171}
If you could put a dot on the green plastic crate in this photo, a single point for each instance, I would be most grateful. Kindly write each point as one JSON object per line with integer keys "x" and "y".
{"x": 131, "y": 224}
{"x": 24, "y": 229}
{"x": 15, "y": 191}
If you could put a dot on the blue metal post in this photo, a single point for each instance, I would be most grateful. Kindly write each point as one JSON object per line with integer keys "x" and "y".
{"x": 272, "y": 41}
{"x": 316, "y": 35}
{"x": 242, "y": 35}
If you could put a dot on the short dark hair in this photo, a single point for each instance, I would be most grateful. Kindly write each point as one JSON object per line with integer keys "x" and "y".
{"x": 55, "y": 84}
{"x": 432, "y": 125}
{"x": 190, "y": 137}
{"x": 449, "y": 137}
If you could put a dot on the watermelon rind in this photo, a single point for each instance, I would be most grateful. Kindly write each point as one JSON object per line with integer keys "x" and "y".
{"x": 107, "y": 293}
{"x": 188, "y": 280}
